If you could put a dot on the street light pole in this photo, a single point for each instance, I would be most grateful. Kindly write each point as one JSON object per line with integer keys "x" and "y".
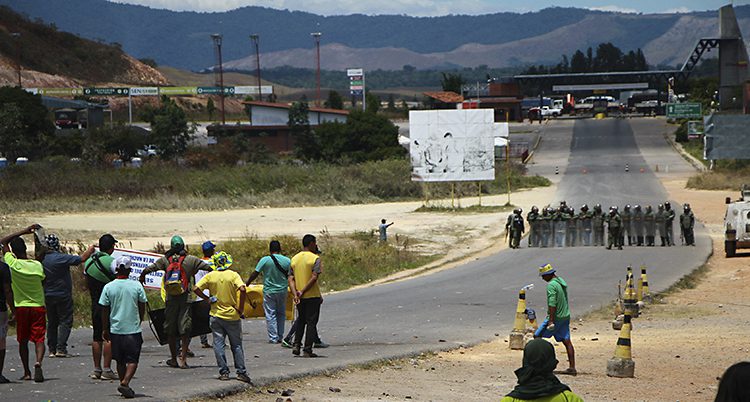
{"x": 217, "y": 45}
{"x": 316, "y": 37}
{"x": 256, "y": 39}
{"x": 17, "y": 37}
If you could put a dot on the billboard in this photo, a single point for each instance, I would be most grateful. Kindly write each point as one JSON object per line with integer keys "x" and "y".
{"x": 726, "y": 136}
{"x": 139, "y": 261}
{"x": 452, "y": 145}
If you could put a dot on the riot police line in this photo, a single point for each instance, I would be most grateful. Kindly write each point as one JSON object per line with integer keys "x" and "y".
{"x": 634, "y": 226}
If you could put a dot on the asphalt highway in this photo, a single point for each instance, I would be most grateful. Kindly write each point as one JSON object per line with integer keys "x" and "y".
{"x": 465, "y": 305}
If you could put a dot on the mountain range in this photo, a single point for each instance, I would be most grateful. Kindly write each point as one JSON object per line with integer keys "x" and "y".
{"x": 389, "y": 42}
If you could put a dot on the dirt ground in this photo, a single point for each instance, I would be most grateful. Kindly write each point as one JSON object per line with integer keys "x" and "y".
{"x": 680, "y": 346}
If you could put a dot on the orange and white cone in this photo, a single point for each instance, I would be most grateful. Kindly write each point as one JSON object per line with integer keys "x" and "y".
{"x": 622, "y": 364}
{"x": 519, "y": 325}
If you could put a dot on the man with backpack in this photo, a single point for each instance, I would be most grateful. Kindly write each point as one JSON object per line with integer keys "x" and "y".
{"x": 99, "y": 273}
{"x": 179, "y": 268}
{"x": 275, "y": 269}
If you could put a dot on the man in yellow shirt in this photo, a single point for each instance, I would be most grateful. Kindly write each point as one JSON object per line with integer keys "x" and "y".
{"x": 223, "y": 285}
{"x": 303, "y": 282}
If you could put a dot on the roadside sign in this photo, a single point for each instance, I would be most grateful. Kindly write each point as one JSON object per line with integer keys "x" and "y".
{"x": 144, "y": 91}
{"x": 354, "y": 72}
{"x": 215, "y": 90}
{"x": 56, "y": 91}
{"x": 253, "y": 90}
{"x": 106, "y": 91}
{"x": 694, "y": 129}
{"x": 684, "y": 111}
{"x": 178, "y": 90}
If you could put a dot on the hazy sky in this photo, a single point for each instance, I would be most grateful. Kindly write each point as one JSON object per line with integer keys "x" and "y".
{"x": 437, "y": 7}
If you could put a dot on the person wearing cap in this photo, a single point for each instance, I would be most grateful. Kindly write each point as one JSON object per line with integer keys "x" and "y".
{"x": 58, "y": 291}
{"x": 275, "y": 269}
{"x": 177, "y": 321}
{"x": 209, "y": 249}
{"x": 557, "y": 323}
{"x": 222, "y": 285}
{"x": 98, "y": 273}
{"x": 536, "y": 377}
{"x": 27, "y": 276}
{"x": 306, "y": 268}
{"x": 124, "y": 302}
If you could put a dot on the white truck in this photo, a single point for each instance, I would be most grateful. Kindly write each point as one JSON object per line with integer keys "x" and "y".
{"x": 737, "y": 223}
{"x": 547, "y": 111}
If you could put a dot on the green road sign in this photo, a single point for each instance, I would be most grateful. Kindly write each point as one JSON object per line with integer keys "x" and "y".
{"x": 215, "y": 90}
{"x": 684, "y": 110}
{"x": 106, "y": 91}
{"x": 59, "y": 91}
{"x": 178, "y": 90}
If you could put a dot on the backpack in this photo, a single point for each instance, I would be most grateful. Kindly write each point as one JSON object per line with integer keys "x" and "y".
{"x": 175, "y": 279}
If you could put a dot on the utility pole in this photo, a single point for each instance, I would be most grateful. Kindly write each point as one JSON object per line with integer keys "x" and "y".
{"x": 256, "y": 39}
{"x": 217, "y": 48}
{"x": 316, "y": 37}
{"x": 17, "y": 37}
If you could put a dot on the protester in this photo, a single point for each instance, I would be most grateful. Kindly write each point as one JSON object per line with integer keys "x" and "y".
{"x": 557, "y": 323}
{"x": 536, "y": 378}
{"x": 27, "y": 276}
{"x": 58, "y": 292}
{"x": 383, "y": 229}
{"x": 275, "y": 269}
{"x": 6, "y": 302}
{"x": 209, "y": 249}
{"x": 306, "y": 268}
{"x": 733, "y": 385}
{"x": 98, "y": 274}
{"x": 179, "y": 267}
{"x": 226, "y": 314}
{"x": 124, "y": 302}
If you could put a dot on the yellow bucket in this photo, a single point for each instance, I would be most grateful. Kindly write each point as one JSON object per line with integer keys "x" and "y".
{"x": 599, "y": 116}
{"x": 254, "y": 303}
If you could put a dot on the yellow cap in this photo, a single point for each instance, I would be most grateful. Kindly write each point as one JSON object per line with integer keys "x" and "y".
{"x": 546, "y": 270}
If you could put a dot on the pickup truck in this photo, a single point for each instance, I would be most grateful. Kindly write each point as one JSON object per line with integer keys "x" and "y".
{"x": 547, "y": 111}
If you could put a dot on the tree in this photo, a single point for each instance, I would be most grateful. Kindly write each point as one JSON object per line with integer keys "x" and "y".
{"x": 24, "y": 124}
{"x": 608, "y": 58}
{"x": 306, "y": 143}
{"x": 365, "y": 136}
{"x": 211, "y": 109}
{"x": 452, "y": 82}
{"x": 589, "y": 60}
{"x": 578, "y": 63}
{"x": 169, "y": 128}
{"x": 335, "y": 101}
{"x": 391, "y": 103}
{"x": 373, "y": 103}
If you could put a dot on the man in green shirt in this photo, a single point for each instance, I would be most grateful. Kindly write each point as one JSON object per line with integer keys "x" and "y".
{"x": 99, "y": 273}
{"x": 557, "y": 323}
{"x": 27, "y": 277}
{"x": 177, "y": 322}
{"x": 275, "y": 269}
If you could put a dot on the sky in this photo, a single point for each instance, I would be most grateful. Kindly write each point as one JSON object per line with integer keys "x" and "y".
{"x": 436, "y": 7}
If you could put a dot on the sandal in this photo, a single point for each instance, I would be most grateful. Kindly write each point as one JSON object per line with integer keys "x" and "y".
{"x": 172, "y": 363}
{"x": 569, "y": 371}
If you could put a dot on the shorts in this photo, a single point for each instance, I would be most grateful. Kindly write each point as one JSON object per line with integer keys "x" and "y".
{"x": 31, "y": 324}
{"x": 177, "y": 320}
{"x": 561, "y": 332}
{"x": 126, "y": 348}
{"x": 3, "y": 328}
{"x": 95, "y": 291}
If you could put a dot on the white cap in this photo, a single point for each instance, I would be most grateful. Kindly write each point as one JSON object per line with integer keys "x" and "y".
{"x": 122, "y": 260}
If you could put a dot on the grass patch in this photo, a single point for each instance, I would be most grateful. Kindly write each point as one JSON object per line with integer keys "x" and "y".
{"x": 689, "y": 281}
{"x": 473, "y": 209}
{"x": 72, "y": 187}
{"x": 348, "y": 261}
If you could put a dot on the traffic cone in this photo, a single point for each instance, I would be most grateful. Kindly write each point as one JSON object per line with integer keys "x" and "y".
{"x": 557, "y": 170}
{"x": 644, "y": 294}
{"x": 519, "y": 325}
{"x": 622, "y": 364}
{"x": 627, "y": 167}
{"x": 629, "y": 300}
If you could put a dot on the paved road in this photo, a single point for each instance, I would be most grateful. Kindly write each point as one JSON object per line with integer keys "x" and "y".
{"x": 465, "y": 305}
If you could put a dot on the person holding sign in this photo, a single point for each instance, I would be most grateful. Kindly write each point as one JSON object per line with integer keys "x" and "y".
{"x": 179, "y": 268}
